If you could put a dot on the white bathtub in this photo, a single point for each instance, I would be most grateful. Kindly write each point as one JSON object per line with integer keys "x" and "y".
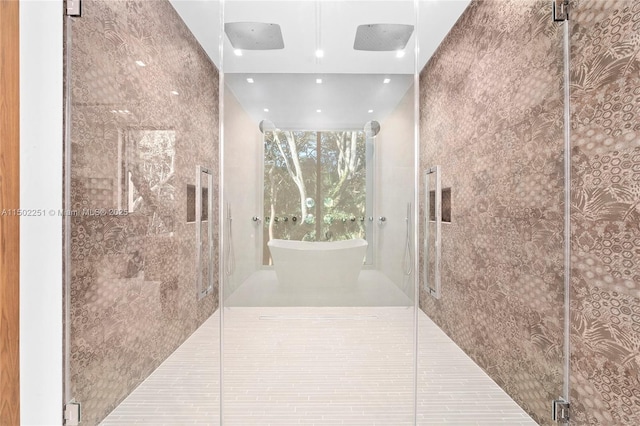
{"x": 318, "y": 264}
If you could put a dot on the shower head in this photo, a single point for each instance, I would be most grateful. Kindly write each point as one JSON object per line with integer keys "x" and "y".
{"x": 266, "y": 126}
{"x": 382, "y": 37}
{"x": 371, "y": 129}
{"x": 254, "y": 35}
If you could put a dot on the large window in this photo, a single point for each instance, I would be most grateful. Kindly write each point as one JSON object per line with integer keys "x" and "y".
{"x": 315, "y": 186}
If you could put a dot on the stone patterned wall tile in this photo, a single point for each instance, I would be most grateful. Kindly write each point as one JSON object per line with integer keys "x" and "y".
{"x": 491, "y": 116}
{"x": 605, "y": 212}
{"x": 133, "y": 286}
{"x": 502, "y": 155}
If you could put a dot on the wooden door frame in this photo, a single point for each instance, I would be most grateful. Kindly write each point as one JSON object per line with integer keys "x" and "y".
{"x": 9, "y": 213}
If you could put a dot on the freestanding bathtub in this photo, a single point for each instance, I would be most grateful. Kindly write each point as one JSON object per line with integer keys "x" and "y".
{"x": 317, "y": 264}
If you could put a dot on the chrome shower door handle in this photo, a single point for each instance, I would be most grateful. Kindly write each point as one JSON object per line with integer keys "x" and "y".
{"x": 408, "y": 257}
{"x": 229, "y": 255}
{"x": 200, "y": 241}
{"x": 435, "y": 287}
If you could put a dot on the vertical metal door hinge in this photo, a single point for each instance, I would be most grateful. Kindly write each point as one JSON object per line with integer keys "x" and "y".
{"x": 72, "y": 414}
{"x": 74, "y": 8}
{"x": 560, "y": 10}
{"x": 560, "y": 411}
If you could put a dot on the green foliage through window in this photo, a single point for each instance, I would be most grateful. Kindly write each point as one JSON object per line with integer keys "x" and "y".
{"x": 314, "y": 185}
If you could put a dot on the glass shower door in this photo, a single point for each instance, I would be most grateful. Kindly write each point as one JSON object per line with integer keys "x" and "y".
{"x": 311, "y": 334}
{"x": 141, "y": 178}
{"x": 493, "y": 210}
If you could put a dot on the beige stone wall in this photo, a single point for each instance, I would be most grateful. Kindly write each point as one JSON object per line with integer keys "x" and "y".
{"x": 491, "y": 115}
{"x": 605, "y": 212}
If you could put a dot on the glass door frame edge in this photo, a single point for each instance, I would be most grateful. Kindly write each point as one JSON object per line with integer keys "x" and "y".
{"x": 416, "y": 205}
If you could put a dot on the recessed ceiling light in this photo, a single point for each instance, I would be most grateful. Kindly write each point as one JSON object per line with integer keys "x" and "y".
{"x": 237, "y": 52}
{"x": 318, "y": 110}
{"x": 173, "y": 92}
{"x": 319, "y": 53}
{"x": 319, "y": 80}
{"x": 386, "y": 80}
{"x": 266, "y": 110}
{"x": 141, "y": 64}
{"x": 249, "y": 80}
{"x": 370, "y": 111}
{"x": 400, "y": 54}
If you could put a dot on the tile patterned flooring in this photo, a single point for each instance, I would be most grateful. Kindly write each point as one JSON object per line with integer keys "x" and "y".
{"x": 318, "y": 366}
{"x": 372, "y": 289}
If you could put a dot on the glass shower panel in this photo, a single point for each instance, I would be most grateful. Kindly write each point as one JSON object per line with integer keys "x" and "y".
{"x": 312, "y": 334}
{"x": 492, "y": 203}
{"x": 142, "y": 105}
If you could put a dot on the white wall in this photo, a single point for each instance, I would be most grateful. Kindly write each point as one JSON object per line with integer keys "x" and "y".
{"x": 394, "y": 151}
{"x": 41, "y": 113}
{"x": 243, "y": 188}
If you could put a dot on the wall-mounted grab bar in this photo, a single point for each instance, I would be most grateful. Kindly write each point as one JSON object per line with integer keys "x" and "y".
{"x": 433, "y": 288}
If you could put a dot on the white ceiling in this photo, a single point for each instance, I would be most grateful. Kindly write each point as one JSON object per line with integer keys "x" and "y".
{"x": 285, "y": 80}
{"x": 344, "y": 100}
{"x": 338, "y": 23}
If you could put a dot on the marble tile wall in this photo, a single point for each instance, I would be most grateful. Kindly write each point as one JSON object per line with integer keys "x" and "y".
{"x": 605, "y": 212}
{"x": 491, "y": 114}
{"x": 144, "y": 115}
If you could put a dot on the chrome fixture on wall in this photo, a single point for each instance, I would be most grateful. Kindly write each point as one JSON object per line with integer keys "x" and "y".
{"x": 371, "y": 129}
{"x": 266, "y": 126}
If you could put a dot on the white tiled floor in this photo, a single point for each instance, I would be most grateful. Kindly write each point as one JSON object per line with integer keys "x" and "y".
{"x": 372, "y": 289}
{"x": 319, "y": 366}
